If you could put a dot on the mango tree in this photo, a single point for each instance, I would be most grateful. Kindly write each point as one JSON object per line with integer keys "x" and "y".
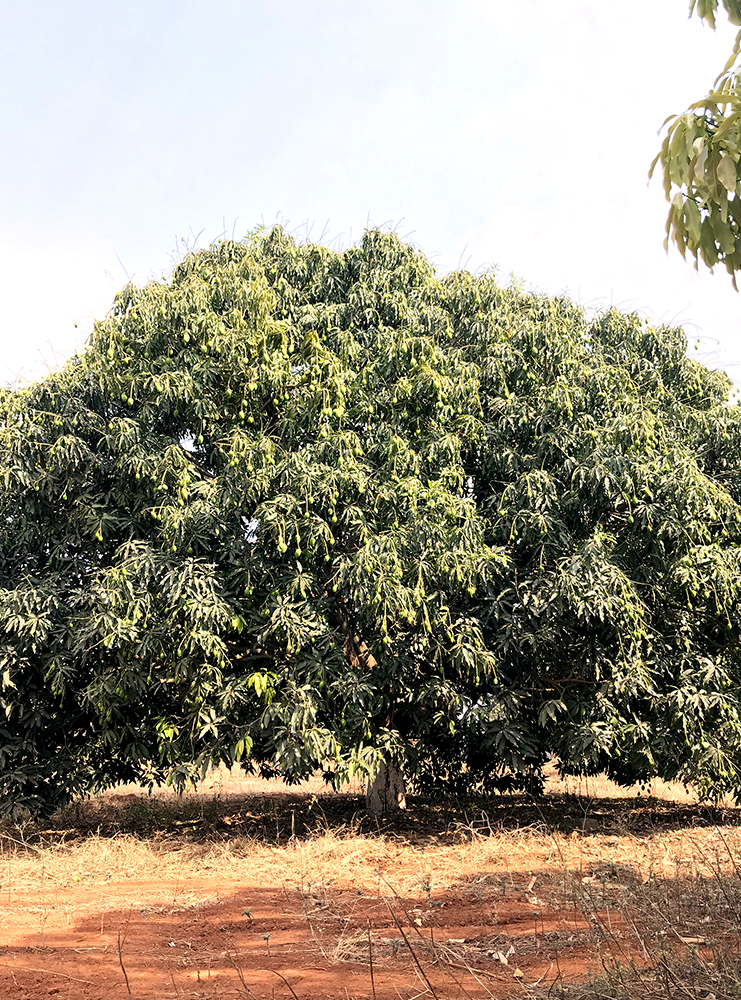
{"x": 297, "y": 509}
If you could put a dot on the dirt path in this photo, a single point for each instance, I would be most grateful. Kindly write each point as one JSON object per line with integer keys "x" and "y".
{"x": 215, "y": 940}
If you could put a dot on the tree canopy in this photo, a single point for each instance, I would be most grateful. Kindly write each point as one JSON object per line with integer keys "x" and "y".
{"x": 700, "y": 161}
{"x": 304, "y": 509}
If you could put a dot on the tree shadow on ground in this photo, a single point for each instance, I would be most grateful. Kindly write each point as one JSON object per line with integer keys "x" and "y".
{"x": 277, "y": 817}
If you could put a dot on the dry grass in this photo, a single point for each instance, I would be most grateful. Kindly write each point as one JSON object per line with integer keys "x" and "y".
{"x": 345, "y": 858}
{"x": 676, "y": 886}
{"x": 600, "y": 787}
{"x": 62, "y": 859}
{"x": 223, "y": 782}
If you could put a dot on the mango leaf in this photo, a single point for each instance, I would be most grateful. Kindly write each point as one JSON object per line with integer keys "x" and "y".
{"x": 692, "y": 221}
{"x": 726, "y": 172}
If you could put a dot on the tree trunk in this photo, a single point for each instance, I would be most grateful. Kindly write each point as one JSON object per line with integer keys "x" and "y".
{"x": 387, "y": 793}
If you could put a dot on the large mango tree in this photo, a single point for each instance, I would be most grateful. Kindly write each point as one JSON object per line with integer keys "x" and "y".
{"x": 299, "y": 510}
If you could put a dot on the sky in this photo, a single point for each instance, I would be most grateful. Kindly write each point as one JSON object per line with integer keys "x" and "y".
{"x": 514, "y": 133}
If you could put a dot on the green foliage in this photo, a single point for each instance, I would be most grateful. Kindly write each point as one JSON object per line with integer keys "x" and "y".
{"x": 700, "y": 162}
{"x": 706, "y": 10}
{"x": 304, "y": 509}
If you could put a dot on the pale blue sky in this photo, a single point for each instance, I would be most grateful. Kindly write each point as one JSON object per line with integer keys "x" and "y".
{"x": 509, "y": 132}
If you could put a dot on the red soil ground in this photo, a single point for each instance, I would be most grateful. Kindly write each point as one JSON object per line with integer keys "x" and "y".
{"x": 256, "y": 941}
